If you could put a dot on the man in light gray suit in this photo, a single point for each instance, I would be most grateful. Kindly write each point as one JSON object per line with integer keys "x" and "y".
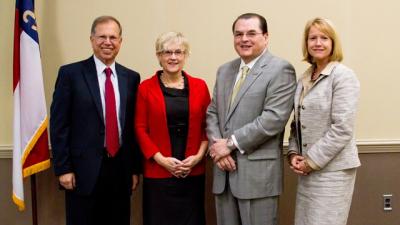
{"x": 252, "y": 101}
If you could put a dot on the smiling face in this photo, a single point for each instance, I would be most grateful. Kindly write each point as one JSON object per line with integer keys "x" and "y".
{"x": 172, "y": 58}
{"x": 319, "y": 46}
{"x": 106, "y": 41}
{"x": 249, "y": 40}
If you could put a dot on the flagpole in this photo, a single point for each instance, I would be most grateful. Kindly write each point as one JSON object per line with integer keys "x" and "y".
{"x": 34, "y": 200}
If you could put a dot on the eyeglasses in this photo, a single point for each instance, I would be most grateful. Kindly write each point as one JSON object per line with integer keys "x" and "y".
{"x": 251, "y": 34}
{"x": 169, "y": 53}
{"x": 104, "y": 38}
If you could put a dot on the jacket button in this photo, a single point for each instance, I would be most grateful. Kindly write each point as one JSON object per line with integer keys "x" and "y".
{"x": 304, "y": 145}
{"x": 303, "y": 107}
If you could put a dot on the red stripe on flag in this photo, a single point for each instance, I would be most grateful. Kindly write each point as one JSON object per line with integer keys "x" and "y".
{"x": 38, "y": 153}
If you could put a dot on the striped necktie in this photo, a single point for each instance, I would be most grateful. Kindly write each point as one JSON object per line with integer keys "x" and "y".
{"x": 245, "y": 71}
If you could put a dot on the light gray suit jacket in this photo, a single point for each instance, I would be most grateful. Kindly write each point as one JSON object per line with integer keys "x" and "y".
{"x": 327, "y": 116}
{"x": 257, "y": 118}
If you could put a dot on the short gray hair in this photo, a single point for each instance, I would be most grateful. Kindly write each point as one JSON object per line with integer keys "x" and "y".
{"x": 169, "y": 37}
{"x": 104, "y": 19}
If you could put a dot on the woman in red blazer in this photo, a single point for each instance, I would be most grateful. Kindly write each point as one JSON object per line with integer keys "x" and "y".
{"x": 170, "y": 128}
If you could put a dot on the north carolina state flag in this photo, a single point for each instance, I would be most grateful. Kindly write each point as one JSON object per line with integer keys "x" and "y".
{"x": 31, "y": 152}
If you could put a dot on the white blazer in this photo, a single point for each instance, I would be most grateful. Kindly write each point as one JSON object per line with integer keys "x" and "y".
{"x": 327, "y": 116}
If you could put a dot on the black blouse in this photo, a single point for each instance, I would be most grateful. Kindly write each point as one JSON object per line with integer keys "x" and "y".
{"x": 177, "y": 109}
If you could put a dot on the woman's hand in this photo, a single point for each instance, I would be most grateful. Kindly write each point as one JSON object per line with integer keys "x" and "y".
{"x": 188, "y": 164}
{"x": 305, "y": 167}
{"x": 191, "y": 161}
{"x": 298, "y": 164}
{"x": 169, "y": 163}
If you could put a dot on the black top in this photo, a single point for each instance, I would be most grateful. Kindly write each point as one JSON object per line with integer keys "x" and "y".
{"x": 177, "y": 109}
{"x": 165, "y": 198}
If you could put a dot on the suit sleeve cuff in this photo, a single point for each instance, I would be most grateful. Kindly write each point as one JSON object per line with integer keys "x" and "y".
{"x": 312, "y": 164}
{"x": 237, "y": 144}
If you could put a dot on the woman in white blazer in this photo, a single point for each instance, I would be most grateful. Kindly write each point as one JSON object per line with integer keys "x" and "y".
{"x": 322, "y": 147}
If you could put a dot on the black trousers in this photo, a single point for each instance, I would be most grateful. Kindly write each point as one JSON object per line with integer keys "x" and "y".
{"x": 108, "y": 204}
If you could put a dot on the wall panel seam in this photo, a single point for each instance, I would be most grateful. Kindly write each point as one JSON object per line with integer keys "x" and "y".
{"x": 364, "y": 147}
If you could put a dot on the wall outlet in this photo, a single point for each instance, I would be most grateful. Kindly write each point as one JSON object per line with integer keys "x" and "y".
{"x": 387, "y": 202}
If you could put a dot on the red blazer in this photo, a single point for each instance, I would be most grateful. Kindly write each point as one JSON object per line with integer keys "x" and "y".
{"x": 151, "y": 124}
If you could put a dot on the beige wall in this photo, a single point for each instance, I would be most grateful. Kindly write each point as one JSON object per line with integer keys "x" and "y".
{"x": 368, "y": 29}
{"x": 6, "y": 35}
{"x": 377, "y": 176}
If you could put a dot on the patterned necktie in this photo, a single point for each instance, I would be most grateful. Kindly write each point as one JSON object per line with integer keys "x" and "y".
{"x": 112, "y": 137}
{"x": 245, "y": 71}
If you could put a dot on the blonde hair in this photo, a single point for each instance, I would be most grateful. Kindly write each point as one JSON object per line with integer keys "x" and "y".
{"x": 171, "y": 37}
{"x": 326, "y": 27}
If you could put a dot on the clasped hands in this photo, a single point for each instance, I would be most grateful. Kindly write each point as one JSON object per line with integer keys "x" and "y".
{"x": 221, "y": 155}
{"x": 299, "y": 164}
{"x": 176, "y": 167}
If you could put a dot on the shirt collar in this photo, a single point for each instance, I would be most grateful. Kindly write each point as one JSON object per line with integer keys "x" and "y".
{"x": 252, "y": 62}
{"x": 328, "y": 68}
{"x": 326, "y": 71}
{"x": 100, "y": 66}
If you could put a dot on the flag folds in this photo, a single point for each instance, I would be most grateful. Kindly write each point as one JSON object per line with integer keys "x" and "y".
{"x": 31, "y": 152}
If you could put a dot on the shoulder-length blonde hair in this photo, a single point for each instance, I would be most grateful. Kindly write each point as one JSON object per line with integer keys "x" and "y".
{"x": 326, "y": 27}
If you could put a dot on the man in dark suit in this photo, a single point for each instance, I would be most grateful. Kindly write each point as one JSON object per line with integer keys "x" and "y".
{"x": 95, "y": 154}
{"x": 252, "y": 101}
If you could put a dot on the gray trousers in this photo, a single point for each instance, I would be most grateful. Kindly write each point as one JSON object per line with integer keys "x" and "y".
{"x": 233, "y": 211}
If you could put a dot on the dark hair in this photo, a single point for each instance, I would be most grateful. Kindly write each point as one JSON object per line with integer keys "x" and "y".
{"x": 104, "y": 19}
{"x": 263, "y": 22}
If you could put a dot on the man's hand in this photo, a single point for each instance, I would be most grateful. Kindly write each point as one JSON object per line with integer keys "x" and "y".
{"x": 135, "y": 182}
{"x": 219, "y": 149}
{"x": 67, "y": 181}
{"x": 226, "y": 164}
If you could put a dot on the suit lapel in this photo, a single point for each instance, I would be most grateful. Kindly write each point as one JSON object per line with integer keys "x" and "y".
{"x": 229, "y": 82}
{"x": 297, "y": 99}
{"x": 251, "y": 77}
{"x": 90, "y": 75}
{"x": 123, "y": 92}
{"x": 254, "y": 73}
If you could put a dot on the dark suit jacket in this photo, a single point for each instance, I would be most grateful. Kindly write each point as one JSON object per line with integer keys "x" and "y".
{"x": 77, "y": 126}
{"x": 151, "y": 124}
